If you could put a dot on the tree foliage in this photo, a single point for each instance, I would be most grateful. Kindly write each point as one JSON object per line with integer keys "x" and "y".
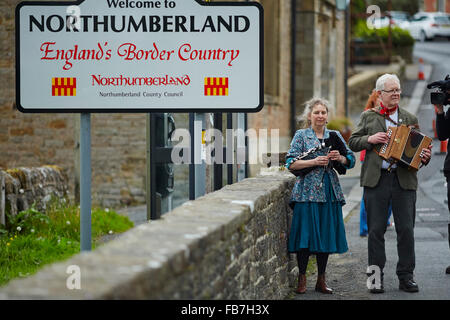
{"x": 409, "y": 6}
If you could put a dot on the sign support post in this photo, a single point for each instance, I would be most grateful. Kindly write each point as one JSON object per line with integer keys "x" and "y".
{"x": 148, "y": 180}
{"x": 200, "y": 164}
{"x": 85, "y": 182}
{"x": 241, "y": 147}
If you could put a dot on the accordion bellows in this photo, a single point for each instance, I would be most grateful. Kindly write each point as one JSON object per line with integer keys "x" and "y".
{"x": 405, "y": 145}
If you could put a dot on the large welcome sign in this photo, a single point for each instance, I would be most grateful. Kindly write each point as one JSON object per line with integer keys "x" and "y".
{"x": 139, "y": 56}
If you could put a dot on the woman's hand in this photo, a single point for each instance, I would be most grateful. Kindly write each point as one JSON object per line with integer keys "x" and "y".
{"x": 335, "y": 155}
{"x": 321, "y": 160}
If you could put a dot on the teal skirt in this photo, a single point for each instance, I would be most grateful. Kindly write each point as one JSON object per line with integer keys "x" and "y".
{"x": 318, "y": 226}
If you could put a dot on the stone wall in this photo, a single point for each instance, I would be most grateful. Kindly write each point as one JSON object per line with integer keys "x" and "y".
{"x": 229, "y": 244}
{"x": 23, "y": 187}
{"x": 361, "y": 84}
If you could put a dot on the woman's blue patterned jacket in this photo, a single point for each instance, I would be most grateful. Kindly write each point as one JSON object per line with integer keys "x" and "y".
{"x": 308, "y": 188}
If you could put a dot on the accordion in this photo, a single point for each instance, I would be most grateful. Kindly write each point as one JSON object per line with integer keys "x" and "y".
{"x": 405, "y": 145}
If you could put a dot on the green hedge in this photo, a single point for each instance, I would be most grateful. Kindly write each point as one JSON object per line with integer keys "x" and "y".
{"x": 400, "y": 37}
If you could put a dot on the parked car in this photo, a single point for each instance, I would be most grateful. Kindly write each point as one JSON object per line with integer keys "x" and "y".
{"x": 428, "y": 25}
{"x": 398, "y": 18}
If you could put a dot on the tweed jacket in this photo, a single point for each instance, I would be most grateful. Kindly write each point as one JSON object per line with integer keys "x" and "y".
{"x": 308, "y": 188}
{"x": 370, "y": 123}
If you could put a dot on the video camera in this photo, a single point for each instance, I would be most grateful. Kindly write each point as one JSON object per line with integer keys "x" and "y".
{"x": 442, "y": 95}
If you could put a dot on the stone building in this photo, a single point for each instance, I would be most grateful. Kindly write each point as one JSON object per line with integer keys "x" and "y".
{"x": 304, "y": 57}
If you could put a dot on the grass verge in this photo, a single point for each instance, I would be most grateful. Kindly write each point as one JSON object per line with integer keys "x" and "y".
{"x": 33, "y": 239}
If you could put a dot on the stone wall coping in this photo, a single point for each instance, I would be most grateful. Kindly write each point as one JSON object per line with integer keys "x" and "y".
{"x": 137, "y": 264}
{"x": 369, "y": 74}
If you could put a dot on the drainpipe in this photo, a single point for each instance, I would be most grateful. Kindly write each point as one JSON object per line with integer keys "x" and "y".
{"x": 347, "y": 29}
{"x": 293, "y": 56}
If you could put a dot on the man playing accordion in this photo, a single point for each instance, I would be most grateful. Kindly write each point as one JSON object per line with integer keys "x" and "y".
{"x": 384, "y": 182}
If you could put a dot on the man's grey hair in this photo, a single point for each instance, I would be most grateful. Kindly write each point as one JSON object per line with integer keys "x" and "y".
{"x": 382, "y": 80}
{"x": 309, "y": 105}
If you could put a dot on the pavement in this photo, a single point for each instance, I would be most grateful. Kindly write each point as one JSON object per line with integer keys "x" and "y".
{"x": 346, "y": 273}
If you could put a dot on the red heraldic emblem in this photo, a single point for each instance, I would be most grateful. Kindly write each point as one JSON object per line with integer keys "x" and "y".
{"x": 64, "y": 87}
{"x": 216, "y": 86}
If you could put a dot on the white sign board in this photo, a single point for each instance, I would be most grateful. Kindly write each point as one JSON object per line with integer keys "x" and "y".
{"x": 139, "y": 56}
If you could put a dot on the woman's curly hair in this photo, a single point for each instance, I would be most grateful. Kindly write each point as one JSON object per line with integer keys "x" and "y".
{"x": 309, "y": 105}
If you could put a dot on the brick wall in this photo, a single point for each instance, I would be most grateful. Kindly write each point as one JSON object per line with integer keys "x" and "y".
{"x": 432, "y": 5}
{"x": 27, "y": 140}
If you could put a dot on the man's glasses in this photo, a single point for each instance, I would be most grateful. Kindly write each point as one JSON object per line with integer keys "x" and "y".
{"x": 393, "y": 91}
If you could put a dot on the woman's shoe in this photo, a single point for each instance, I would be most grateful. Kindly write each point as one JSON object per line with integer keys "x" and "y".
{"x": 301, "y": 284}
{"x": 321, "y": 286}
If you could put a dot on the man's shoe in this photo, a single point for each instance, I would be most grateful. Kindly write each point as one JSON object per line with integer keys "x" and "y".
{"x": 447, "y": 271}
{"x": 408, "y": 286}
{"x": 374, "y": 290}
{"x": 378, "y": 290}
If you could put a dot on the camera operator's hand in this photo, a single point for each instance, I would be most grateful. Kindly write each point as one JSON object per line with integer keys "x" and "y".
{"x": 439, "y": 108}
